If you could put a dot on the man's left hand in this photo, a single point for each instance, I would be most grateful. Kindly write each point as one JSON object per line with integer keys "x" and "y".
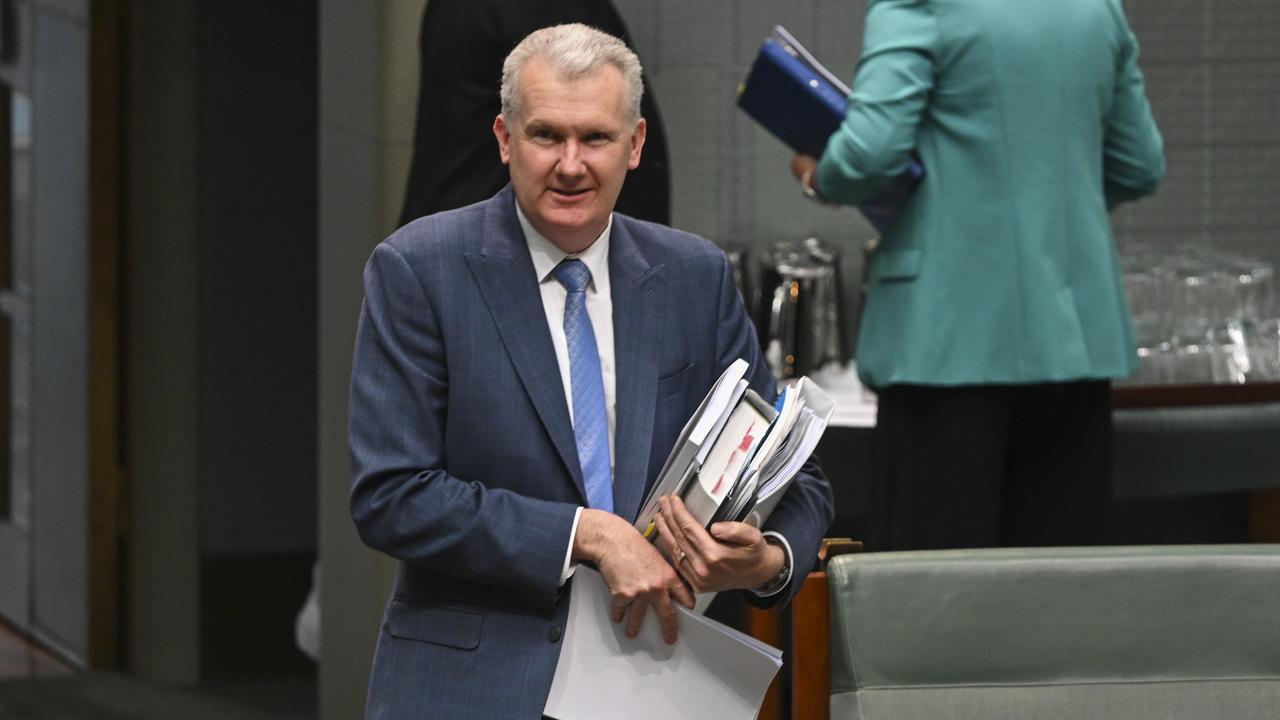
{"x": 731, "y": 556}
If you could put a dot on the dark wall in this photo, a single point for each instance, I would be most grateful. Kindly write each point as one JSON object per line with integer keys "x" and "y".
{"x": 258, "y": 254}
{"x": 258, "y": 275}
{"x": 1211, "y": 71}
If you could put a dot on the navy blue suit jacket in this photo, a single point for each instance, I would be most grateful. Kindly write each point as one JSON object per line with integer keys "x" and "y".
{"x": 464, "y": 464}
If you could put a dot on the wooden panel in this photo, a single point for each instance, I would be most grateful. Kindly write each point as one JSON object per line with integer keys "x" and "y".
{"x": 1264, "y": 516}
{"x": 811, "y": 651}
{"x": 106, "y": 477}
{"x": 1177, "y": 395}
{"x": 765, "y": 625}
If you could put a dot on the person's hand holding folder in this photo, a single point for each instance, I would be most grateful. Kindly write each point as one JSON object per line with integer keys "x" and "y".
{"x": 731, "y": 556}
{"x": 790, "y": 94}
{"x": 804, "y": 167}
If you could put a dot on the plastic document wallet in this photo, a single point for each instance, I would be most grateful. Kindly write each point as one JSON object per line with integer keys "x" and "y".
{"x": 790, "y": 94}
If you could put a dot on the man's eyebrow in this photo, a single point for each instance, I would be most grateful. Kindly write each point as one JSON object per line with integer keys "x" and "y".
{"x": 536, "y": 126}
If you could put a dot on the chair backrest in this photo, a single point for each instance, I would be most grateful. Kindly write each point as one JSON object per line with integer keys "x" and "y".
{"x": 1173, "y": 632}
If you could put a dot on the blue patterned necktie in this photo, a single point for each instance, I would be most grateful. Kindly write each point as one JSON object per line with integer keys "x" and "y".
{"x": 590, "y": 425}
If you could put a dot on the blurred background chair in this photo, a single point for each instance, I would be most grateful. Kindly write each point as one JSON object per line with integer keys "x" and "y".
{"x": 1137, "y": 633}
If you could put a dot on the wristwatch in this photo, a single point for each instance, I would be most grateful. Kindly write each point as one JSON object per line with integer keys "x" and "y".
{"x": 779, "y": 581}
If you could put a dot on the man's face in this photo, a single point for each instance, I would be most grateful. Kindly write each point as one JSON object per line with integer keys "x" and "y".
{"x": 569, "y": 151}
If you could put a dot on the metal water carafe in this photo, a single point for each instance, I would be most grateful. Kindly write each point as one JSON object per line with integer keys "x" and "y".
{"x": 806, "y": 310}
{"x": 744, "y": 276}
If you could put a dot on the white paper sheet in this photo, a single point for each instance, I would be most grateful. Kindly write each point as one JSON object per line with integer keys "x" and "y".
{"x": 712, "y": 671}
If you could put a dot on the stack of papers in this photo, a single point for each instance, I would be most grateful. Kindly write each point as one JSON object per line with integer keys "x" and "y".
{"x": 734, "y": 460}
{"x": 695, "y": 441}
{"x": 713, "y": 671}
{"x": 737, "y": 455}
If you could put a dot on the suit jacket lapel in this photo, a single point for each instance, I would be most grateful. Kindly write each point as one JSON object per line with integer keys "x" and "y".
{"x": 636, "y": 297}
{"x": 504, "y": 272}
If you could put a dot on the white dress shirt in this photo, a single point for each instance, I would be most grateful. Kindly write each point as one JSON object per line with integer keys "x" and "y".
{"x": 546, "y": 256}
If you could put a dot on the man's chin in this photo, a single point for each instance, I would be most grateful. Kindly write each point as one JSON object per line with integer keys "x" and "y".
{"x": 570, "y": 216}
{"x": 572, "y": 231}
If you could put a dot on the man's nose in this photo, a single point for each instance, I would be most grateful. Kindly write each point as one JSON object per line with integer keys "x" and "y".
{"x": 570, "y": 164}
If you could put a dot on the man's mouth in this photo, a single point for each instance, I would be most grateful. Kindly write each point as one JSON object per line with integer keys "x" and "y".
{"x": 570, "y": 193}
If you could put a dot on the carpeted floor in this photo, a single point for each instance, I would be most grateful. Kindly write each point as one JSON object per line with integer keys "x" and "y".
{"x": 105, "y": 696}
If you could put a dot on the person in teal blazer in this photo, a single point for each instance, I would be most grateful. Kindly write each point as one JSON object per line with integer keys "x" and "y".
{"x": 995, "y": 298}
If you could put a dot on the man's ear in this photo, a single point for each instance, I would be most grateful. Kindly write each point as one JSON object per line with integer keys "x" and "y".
{"x": 637, "y": 144}
{"x": 503, "y": 134}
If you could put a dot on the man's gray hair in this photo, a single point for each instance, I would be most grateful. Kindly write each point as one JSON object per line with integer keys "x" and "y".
{"x": 574, "y": 51}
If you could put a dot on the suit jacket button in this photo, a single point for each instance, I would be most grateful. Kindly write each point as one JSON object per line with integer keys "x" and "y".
{"x": 554, "y": 635}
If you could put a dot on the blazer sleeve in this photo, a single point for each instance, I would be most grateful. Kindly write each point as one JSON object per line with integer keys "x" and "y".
{"x": 1133, "y": 150}
{"x": 403, "y": 501}
{"x": 807, "y": 508}
{"x": 890, "y": 91}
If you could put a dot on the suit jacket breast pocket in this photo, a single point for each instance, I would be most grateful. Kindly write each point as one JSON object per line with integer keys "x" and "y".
{"x": 451, "y": 627}
{"x": 675, "y": 383}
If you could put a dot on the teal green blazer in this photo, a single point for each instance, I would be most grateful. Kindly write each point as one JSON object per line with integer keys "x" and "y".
{"x": 1031, "y": 120}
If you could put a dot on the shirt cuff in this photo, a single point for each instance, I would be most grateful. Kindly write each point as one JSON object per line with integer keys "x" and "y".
{"x": 567, "y": 571}
{"x": 776, "y": 585}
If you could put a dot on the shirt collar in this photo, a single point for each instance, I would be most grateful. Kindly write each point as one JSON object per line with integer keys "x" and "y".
{"x": 546, "y": 256}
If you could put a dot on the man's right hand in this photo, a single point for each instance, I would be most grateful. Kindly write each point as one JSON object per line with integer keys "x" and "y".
{"x": 637, "y": 575}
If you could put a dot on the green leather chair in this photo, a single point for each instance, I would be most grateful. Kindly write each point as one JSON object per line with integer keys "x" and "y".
{"x": 1119, "y": 633}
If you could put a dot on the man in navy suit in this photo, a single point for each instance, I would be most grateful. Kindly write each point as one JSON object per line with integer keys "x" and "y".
{"x": 522, "y": 368}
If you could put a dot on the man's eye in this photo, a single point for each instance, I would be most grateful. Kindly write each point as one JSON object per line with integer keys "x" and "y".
{"x": 597, "y": 139}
